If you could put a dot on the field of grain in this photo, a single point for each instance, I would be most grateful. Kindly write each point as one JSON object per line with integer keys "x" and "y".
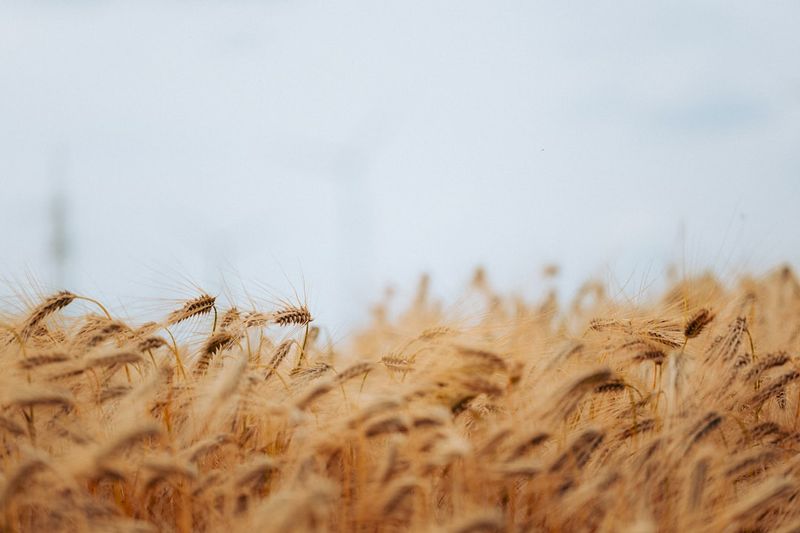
{"x": 598, "y": 414}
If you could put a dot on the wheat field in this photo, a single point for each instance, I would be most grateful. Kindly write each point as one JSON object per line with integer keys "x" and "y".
{"x": 677, "y": 413}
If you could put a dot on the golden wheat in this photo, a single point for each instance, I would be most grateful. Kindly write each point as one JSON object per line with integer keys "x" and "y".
{"x": 591, "y": 415}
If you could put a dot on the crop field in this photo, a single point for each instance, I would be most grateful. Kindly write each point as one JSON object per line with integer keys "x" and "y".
{"x": 673, "y": 413}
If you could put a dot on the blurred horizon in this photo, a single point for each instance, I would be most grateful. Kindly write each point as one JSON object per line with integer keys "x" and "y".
{"x": 340, "y": 148}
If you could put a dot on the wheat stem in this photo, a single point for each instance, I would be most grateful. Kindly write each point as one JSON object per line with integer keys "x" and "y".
{"x": 98, "y": 304}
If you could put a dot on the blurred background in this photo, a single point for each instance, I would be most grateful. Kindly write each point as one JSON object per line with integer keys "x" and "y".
{"x": 340, "y": 147}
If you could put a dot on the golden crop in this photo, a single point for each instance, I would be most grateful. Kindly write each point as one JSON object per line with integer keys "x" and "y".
{"x": 676, "y": 414}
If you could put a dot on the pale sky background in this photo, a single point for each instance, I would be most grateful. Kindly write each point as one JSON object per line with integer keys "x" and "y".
{"x": 347, "y": 145}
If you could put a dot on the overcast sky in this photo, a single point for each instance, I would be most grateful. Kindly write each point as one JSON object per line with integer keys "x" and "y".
{"x": 346, "y": 145}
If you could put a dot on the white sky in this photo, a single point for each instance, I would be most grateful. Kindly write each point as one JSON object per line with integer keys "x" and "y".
{"x": 354, "y": 144}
